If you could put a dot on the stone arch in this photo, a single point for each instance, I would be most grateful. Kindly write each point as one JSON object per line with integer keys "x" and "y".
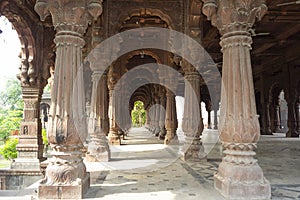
{"x": 145, "y": 11}
{"x": 30, "y": 33}
{"x": 146, "y": 52}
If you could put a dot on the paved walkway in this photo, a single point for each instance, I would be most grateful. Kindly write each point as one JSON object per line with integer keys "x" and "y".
{"x": 143, "y": 168}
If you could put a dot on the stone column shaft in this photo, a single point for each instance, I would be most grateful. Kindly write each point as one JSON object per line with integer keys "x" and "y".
{"x": 277, "y": 124}
{"x": 209, "y": 119}
{"x": 157, "y": 117}
{"x": 216, "y": 119}
{"x": 66, "y": 176}
{"x": 292, "y": 124}
{"x": 192, "y": 123}
{"x": 98, "y": 149}
{"x": 162, "y": 118}
{"x": 298, "y": 114}
{"x": 113, "y": 136}
{"x": 171, "y": 118}
{"x": 239, "y": 176}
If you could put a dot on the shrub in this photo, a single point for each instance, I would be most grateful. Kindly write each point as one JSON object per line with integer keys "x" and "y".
{"x": 9, "y": 149}
{"x": 44, "y": 136}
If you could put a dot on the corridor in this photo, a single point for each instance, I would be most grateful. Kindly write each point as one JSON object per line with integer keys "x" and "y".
{"x": 144, "y": 168}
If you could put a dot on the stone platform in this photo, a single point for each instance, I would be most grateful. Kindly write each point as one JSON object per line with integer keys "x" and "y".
{"x": 143, "y": 168}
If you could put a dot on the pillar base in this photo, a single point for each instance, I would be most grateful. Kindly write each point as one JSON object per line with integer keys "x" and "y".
{"x": 99, "y": 153}
{"x": 162, "y": 134}
{"x": 114, "y": 139}
{"x": 292, "y": 133}
{"x": 193, "y": 149}
{"x": 269, "y": 132}
{"x": 171, "y": 140}
{"x": 242, "y": 182}
{"x": 194, "y": 153}
{"x": 74, "y": 191}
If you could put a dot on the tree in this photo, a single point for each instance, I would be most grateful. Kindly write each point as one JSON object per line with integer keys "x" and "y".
{"x": 10, "y": 120}
{"x": 11, "y": 97}
{"x": 9, "y": 150}
{"x": 138, "y": 114}
{"x": 11, "y": 108}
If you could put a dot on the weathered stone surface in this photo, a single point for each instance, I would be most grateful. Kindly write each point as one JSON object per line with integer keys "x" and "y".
{"x": 239, "y": 126}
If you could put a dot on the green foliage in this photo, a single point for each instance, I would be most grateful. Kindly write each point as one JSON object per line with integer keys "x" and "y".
{"x": 9, "y": 150}
{"x": 11, "y": 98}
{"x": 138, "y": 114}
{"x": 11, "y": 115}
{"x": 10, "y": 121}
{"x": 44, "y": 136}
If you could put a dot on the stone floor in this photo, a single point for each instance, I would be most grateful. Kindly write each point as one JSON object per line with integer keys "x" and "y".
{"x": 143, "y": 168}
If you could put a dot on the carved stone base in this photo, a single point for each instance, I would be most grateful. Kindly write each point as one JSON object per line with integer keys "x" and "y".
{"x": 292, "y": 133}
{"x": 193, "y": 151}
{"x": 266, "y": 132}
{"x": 171, "y": 139}
{"x": 162, "y": 134}
{"x": 114, "y": 139}
{"x": 99, "y": 153}
{"x": 74, "y": 191}
{"x": 242, "y": 182}
{"x": 98, "y": 149}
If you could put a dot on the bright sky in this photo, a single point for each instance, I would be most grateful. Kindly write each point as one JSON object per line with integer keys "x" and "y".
{"x": 10, "y": 48}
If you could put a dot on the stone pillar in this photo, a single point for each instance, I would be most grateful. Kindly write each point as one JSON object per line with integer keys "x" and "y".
{"x": 162, "y": 117}
{"x": 30, "y": 145}
{"x": 298, "y": 114}
{"x": 216, "y": 119}
{"x": 147, "y": 123}
{"x": 66, "y": 176}
{"x": 215, "y": 108}
{"x": 157, "y": 111}
{"x": 104, "y": 113}
{"x": 292, "y": 124}
{"x": 239, "y": 176}
{"x": 171, "y": 118}
{"x": 98, "y": 149}
{"x": 192, "y": 123}
{"x": 277, "y": 124}
{"x": 266, "y": 121}
{"x": 208, "y": 109}
{"x": 113, "y": 135}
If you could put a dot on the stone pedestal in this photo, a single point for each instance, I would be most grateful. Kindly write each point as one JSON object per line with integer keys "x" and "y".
{"x": 30, "y": 146}
{"x": 239, "y": 175}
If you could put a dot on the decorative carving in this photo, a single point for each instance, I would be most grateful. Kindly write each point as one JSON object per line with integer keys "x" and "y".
{"x": 238, "y": 120}
{"x": 70, "y": 20}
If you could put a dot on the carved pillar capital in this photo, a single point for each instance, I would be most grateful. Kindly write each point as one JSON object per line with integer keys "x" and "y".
{"x": 234, "y": 16}
{"x": 69, "y": 16}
